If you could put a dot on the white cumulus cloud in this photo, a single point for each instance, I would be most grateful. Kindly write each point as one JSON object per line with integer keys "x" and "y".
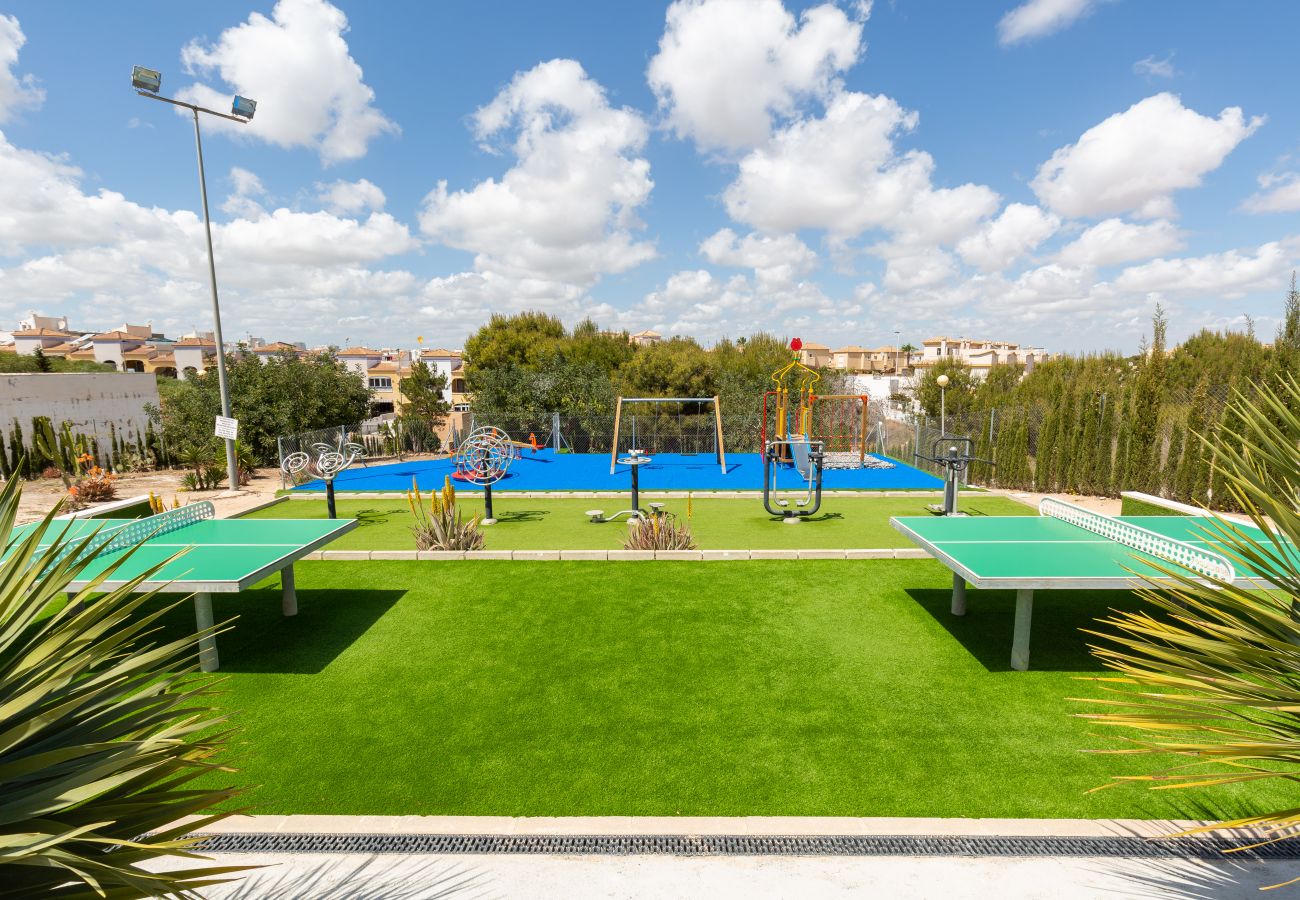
{"x": 726, "y": 68}
{"x": 1278, "y": 193}
{"x": 297, "y": 66}
{"x": 775, "y": 259}
{"x": 16, "y": 93}
{"x": 1039, "y": 18}
{"x": 351, "y": 196}
{"x": 1001, "y": 241}
{"x": 841, "y": 173}
{"x": 1114, "y": 241}
{"x": 565, "y": 212}
{"x": 1135, "y": 160}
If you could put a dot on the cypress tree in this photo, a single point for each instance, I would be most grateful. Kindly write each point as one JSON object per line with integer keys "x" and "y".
{"x": 1169, "y": 472}
{"x": 1148, "y": 397}
{"x": 1085, "y": 465}
{"x": 1046, "y": 455}
{"x": 1192, "y": 476}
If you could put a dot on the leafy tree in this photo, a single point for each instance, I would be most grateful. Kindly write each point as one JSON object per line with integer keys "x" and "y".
{"x": 422, "y": 395}
{"x": 526, "y": 339}
{"x": 14, "y": 363}
{"x": 958, "y": 397}
{"x": 283, "y": 395}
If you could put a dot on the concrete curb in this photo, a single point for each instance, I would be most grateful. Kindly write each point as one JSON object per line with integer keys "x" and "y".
{"x": 272, "y": 502}
{"x": 618, "y": 555}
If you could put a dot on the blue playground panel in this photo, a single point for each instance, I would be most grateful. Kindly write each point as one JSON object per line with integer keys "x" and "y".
{"x": 546, "y": 470}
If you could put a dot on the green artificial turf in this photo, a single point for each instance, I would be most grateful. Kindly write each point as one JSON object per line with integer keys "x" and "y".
{"x": 562, "y": 524}
{"x": 762, "y": 688}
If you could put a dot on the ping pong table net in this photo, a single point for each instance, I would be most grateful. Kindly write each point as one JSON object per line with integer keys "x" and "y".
{"x": 113, "y": 540}
{"x": 1128, "y": 534}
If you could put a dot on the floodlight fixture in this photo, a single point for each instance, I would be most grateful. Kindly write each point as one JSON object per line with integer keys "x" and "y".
{"x": 143, "y": 79}
{"x": 244, "y": 108}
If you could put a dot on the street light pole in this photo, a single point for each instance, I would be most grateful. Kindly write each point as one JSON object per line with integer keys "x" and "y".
{"x": 232, "y": 464}
{"x": 943, "y": 404}
{"x": 147, "y": 82}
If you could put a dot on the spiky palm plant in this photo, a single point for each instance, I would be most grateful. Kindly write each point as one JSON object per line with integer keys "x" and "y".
{"x": 1217, "y": 667}
{"x": 103, "y": 730}
{"x": 658, "y": 531}
{"x": 441, "y": 526}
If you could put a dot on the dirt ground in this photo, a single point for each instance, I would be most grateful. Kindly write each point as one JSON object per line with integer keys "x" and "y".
{"x": 1109, "y": 506}
{"x": 40, "y": 495}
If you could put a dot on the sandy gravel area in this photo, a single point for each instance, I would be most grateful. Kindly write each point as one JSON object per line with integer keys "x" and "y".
{"x": 40, "y": 495}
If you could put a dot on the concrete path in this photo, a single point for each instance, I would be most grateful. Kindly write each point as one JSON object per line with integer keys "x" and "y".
{"x": 402, "y": 877}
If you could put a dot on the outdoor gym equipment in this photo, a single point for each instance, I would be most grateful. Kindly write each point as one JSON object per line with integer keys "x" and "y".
{"x": 807, "y": 457}
{"x": 954, "y": 463}
{"x": 718, "y": 450}
{"x": 324, "y": 462}
{"x": 483, "y": 458}
{"x": 634, "y": 462}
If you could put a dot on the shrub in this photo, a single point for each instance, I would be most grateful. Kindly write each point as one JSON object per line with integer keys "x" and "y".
{"x": 441, "y": 526}
{"x": 107, "y": 726}
{"x": 95, "y": 486}
{"x": 1212, "y": 672}
{"x": 658, "y": 531}
{"x": 51, "y": 472}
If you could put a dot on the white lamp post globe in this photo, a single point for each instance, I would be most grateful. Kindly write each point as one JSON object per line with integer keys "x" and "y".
{"x": 942, "y": 381}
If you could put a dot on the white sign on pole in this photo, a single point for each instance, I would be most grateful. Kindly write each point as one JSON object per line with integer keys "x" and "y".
{"x": 227, "y": 428}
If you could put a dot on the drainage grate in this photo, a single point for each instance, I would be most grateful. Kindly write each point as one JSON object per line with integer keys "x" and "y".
{"x": 746, "y": 845}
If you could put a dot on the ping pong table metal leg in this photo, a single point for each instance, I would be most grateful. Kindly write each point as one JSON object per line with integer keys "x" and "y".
{"x": 1020, "y": 640}
{"x": 208, "y": 660}
{"x": 288, "y": 593}
{"x": 958, "y": 595}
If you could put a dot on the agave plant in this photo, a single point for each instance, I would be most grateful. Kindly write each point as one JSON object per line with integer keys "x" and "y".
{"x": 658, "y": 531}
{"x": 103, "y": 730}
{"x": 441, "y": 526}
{"x": 1216, "y": 667}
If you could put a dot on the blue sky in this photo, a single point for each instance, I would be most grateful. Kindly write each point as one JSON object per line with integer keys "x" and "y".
{"x": 1042, "y": 171}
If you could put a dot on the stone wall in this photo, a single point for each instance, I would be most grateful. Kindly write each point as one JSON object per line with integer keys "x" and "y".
{"x": 90, "y": 401}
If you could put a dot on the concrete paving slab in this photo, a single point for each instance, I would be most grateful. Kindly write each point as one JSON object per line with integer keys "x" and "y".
{"x": 773, "y": 554}
{"x": 345, "y": 554}
{"x": 440, "y": 554}
{"x": 679, "y": 554}
{"x": 394, "y": 554}
{"x": 631, "y": 555}
{"x": 725, "y": 555}
{"x": 535, "y": 555}
{"x": 338, "y": 876}
{"x": 822, "y": 554}
{"x": 584, "y": 554}
{"x": 877, "y": 553}
{"x": 487, "y": 554}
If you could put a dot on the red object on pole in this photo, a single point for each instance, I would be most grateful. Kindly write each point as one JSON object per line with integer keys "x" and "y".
{"x": 796, "y": 344}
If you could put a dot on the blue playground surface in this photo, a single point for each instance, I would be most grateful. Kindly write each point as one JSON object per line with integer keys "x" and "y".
{"x": 546, "y": 470}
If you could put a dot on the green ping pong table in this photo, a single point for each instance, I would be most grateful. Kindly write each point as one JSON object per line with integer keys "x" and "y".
{"x": 218, "y": 555}
{"x": 1067, "y": 547}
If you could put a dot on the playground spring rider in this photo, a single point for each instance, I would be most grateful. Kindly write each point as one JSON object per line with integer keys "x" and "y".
{"x": 961, "y": 453}
{"x": 791, "y": 441}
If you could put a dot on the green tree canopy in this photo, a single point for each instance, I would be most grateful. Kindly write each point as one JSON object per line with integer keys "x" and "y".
{"x": 422, "y": 393}
{"x": 283, "y": 395}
